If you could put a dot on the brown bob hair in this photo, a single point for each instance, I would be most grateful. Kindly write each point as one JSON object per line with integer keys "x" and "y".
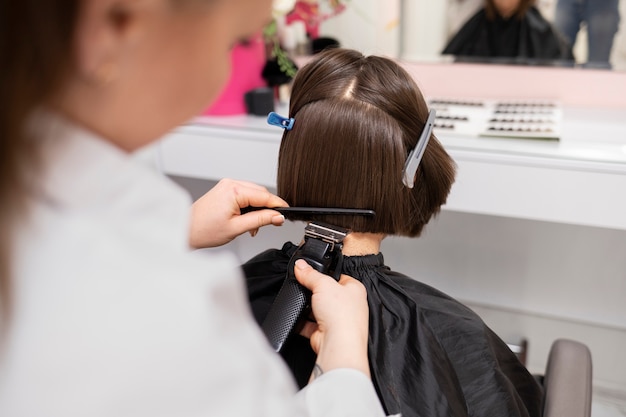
{"x": 356, "y": 120}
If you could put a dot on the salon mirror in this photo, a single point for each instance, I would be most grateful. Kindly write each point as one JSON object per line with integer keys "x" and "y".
{"x": 418, "y": 30}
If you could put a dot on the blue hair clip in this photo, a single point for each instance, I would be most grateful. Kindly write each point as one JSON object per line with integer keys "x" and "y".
{"x": 277, "y": 120}
{"x": 415, "y": 157}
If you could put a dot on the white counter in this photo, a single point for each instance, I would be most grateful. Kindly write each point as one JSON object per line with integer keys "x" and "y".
{"x": 580, "y": 179}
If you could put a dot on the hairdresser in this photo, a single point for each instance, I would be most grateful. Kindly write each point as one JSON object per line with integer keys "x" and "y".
{"x": 105, "y": 308}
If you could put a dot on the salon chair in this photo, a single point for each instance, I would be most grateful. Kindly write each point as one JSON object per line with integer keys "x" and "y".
{"x": 567, "y": 380}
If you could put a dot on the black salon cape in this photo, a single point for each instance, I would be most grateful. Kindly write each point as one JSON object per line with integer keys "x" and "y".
{"x": 531, "y": 37}
{"x": 429, "y": 355}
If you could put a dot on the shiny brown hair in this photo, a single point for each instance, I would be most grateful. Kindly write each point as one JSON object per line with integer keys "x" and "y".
{"x": 35, "y": 58}
{"x": 356, "y": 120}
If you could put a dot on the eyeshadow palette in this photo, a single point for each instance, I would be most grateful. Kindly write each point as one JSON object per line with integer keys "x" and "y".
{"x": 525, "y": 119}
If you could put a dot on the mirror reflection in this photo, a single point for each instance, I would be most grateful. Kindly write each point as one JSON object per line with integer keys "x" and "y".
{"x": 576, "y": 33}
{"x": 510, "y": 30}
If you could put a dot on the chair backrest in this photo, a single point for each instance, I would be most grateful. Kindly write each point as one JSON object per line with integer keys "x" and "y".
{"x": 568, "y": 380}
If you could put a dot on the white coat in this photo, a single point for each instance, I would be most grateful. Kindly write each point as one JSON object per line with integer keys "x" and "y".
{"x": 114, "y": 316}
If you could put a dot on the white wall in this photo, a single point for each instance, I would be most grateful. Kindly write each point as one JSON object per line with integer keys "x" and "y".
{"x": 370, "y": 26}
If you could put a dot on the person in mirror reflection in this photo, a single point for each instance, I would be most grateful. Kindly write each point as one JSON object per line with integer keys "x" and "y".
{"x": 355, "y": 121}
{"x": 601, "y": 19}
{"x": 105, "y": 309}
{"x": 510, "y": 31}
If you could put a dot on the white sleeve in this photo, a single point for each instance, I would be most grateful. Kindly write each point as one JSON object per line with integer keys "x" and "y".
{"x": 154, "y": 336}
{"x": 341, "y": 393}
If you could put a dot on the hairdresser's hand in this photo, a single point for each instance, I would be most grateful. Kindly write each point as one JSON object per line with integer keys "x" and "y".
{"x": 216, "y": 218}
{"x": 340, "y": 331}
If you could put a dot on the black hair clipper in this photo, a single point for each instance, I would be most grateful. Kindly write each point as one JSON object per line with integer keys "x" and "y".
{"x": 322, "y": 250}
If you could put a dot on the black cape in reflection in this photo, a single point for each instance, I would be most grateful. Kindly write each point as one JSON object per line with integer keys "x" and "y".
{"x": 531, "y": 37}
{"x": 429, "y": 355}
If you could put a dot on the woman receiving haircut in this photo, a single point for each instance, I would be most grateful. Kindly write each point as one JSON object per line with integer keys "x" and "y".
{"x": 355, "y": 121}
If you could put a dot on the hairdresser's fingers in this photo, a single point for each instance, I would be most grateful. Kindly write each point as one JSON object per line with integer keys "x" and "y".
{"x": 216, "y": 216}
{"x": 308, "y": 329}
{"x": 253, "y": 221}
{"x": 310, "y": 278}
{"x": 341, "y": 312}
{"x": 337, "y": 306}
{"x": 318, "y": 282}
{"x": 256, "y": 196}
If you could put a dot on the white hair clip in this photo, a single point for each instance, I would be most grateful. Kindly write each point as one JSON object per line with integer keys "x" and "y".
{"x": 415, "y": 157}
